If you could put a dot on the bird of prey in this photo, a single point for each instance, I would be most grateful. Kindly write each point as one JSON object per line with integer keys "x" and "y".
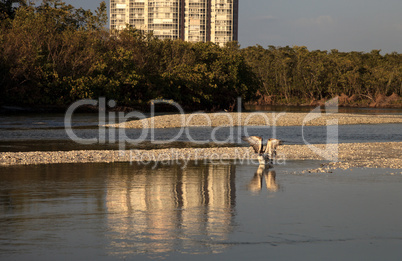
{"x": 264, "y": 154}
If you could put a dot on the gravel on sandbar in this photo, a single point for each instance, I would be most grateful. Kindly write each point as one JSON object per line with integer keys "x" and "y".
{"x": 256, "y": 119}
{"x": 345, "y": 155}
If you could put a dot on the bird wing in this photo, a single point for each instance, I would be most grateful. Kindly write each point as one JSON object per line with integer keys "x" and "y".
{"x": 272, "y": 144}
{"x": 255, "y": 142}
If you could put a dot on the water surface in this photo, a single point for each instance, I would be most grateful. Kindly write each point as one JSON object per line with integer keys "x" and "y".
{"x": 57, "y": 139}
{"x": 46, "y": 132}
{"x": 200, "y": 211}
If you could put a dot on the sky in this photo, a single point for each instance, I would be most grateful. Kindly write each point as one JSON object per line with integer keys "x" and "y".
{"x": 345, "y": 25}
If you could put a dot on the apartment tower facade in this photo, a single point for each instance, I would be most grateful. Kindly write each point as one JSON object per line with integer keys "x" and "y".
{"x": 190, "y": 20}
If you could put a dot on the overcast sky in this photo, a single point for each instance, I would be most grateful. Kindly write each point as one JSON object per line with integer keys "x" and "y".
{"x": 346, "y": 25}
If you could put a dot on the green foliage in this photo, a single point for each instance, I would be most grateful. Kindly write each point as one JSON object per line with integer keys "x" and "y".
{"x": 8, "y": 8}
{"x": 54, "y": 54}
{"x": 287, "y": 73}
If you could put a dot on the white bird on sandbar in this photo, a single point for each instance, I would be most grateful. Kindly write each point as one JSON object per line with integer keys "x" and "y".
{"x": 265, "y": 155}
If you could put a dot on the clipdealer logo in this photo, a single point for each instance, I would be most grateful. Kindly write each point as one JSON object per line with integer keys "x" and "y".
{"x": 237, "y": 127}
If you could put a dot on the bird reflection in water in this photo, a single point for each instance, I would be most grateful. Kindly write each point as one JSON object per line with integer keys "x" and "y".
{"x": 262, "y": 172}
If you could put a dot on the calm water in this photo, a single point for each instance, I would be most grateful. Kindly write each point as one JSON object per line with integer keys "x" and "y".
{"x": 32, "y": 132}
{"x": 46, "y": 132}
{"x": 200, "y": 211}
{"x": 50, "y": 139}
{"x": 56, "y": 120}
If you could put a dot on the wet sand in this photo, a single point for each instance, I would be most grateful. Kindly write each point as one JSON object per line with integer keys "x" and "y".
{"x": 349, "y": 155}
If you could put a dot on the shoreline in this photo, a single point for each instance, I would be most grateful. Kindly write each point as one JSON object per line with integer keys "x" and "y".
{"x": 16, "y": 108}
{"x": 227, "y": 119}
{"x": 350, "y": 155}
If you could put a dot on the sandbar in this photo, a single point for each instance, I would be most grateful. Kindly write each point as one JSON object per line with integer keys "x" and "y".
{"x": 343, "y": 156}
{"x": 226, "y": 119}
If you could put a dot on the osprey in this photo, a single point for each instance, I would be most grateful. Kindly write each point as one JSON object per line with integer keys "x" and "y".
{"x": 264, "y": 154}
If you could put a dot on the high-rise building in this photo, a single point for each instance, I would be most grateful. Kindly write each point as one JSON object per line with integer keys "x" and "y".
{"x": 189, "y": 20}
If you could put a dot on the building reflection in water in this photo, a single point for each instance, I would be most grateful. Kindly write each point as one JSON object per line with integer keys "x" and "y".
{"x": 262, "y": 172}
{"x": 170, "y": 208}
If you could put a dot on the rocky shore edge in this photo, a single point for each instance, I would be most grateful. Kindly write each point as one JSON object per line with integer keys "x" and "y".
{"x": 349, "y": 155}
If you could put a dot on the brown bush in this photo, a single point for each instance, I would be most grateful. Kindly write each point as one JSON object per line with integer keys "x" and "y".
{"x": 352, "y": 98}
{"x": 343, "y": 99}
{"x": 393, "y": 98}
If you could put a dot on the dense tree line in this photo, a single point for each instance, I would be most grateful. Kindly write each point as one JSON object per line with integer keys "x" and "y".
{"x": 53, "y": 54}
{"x": 296, "y": 75}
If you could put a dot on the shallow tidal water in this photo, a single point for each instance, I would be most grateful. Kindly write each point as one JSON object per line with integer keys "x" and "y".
{"x": 54, "y": 139}
{"x": 46, "y": 132}
{"x": 198, "y": 211}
